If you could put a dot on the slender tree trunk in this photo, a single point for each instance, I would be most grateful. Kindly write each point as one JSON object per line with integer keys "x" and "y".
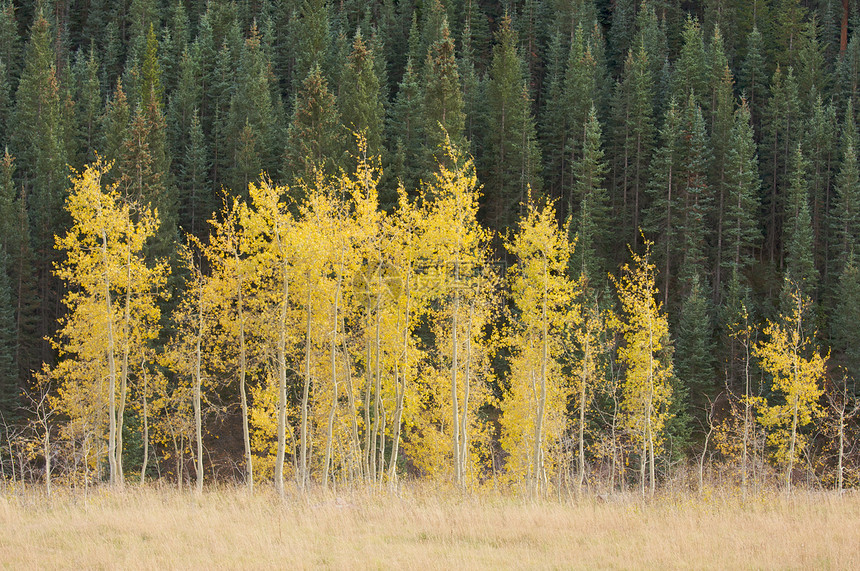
{"x": 303, "y": 446}
{"x": 243, "y": 367}
{"x": 841, "y": 448}
{"x": 843, "y": 35}
{"x": 198, "y": 381}
{"x": 746, "y": 414}
{"x": 112, "y": 440}
{"x": 398, "y": 414}
{"x": 538, "y": 451}
{"x": 123, "y": 391}
{"x": 464, "y": 425}
{"x": 332, "y": 412}
{"x": 145, "y": 462}
{"x": 791, "y": 447}
{"x": 455, "y": 424}
{"x": 282, "y": 384}
{"x": 582, "y": 394}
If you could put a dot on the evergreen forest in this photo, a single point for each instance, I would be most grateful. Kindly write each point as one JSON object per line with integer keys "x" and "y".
{"x": 549, "y": 245}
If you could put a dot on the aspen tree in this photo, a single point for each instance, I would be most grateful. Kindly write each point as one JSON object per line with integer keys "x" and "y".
{"x": 797, "y": 368}
{"x": 588, "y": 336}
{"x": 268, "y": 225}
{"x": 457, "y": 250}
{"x": 231, "y": 284}
{"x": 533, "y": 411}
{"x": 193, "y": 319}
{"x": 111, "y": 301}
{"x": 646, "y": 391}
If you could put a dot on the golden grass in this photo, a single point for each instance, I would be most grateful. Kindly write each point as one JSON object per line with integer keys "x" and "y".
{"x": 423, "y": 529}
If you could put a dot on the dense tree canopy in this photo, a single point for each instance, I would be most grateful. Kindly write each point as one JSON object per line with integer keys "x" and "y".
{"x": 340, "y": 242}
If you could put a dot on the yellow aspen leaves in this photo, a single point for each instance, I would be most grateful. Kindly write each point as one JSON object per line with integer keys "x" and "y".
{"x": 797, "y": 369}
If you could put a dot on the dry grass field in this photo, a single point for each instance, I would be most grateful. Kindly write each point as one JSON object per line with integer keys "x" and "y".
{"x": 228, "y": 528}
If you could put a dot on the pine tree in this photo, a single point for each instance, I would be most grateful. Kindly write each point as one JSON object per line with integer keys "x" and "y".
{"x": 511, "y": 157}
{"x": 174, "y": 42}
{"x": 442, "y": 110}
{"x": 691, "y": 69}
{"x": 721, "y": 127}
{"x": 798, "y": 239}
{"x": 196, "y": 202}
{"x": 310, "y": 30}
{"x": 9, "y": 390}
{"x": 789, "y": 17}
{"x": 813, "y": 77}
{"x": 741, "y": 191}
{"x": 592, "y": 220}
{"x": 315, "y": 138}
{"x": 405, "y": 130}
{"x": 621, "y": 31}
{"x": 752, "y": 76}
{"x": 151, "y": 90}
{"x": 782, "y": 132}
{"x": 819, "y": 145}
{"x": 845, "y": 333}
{"x": 696, "y": 194}
{"x": 846, "y": 231}
{"x": 252, "y": 146}
{"x": 41, "y": 143}
{"x": 662, "y": 219}
{"x": 694, "y": 362}
{"x": 633, "y": 124}
{"x": 360, "y": 99}
{"x": 88, "y": 107}
{"x": 578, "y": 91}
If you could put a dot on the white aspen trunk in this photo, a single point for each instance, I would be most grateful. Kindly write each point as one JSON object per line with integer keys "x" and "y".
{"x": 282, "y": 379}
{"x": 378, "y": 409}
{"x": 582, "y": 395}
{"x": 112, "y": 440}
{"x": 650, "y": 407}
{"x": 303, "y": 446}
{"x": 538, "y": 451}
{"x": 145, "y": 427}
{"x": 791, "y": 446}
{"x": 243, "y": 366}
{"x": 46, "y": 445}
{"x": 401, "y": 390}
{"x": 464, "y": 418}
{"x": 841, "y": 447}
{"x": 330, "y": 427}
{"x": 746, "y": 415}
{"x": 198, "y": 413}
{"x": 455, "y": 424}
{"x": 355, "y": 452}
{"x": 123, "y": 391}
{"x": 367, "y": 455}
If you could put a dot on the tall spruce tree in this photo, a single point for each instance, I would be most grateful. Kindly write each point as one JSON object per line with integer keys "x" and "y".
{"x": 511, "y": 158}
{"x": 633, "y": 125}
{"x": 662, "y": 217}
{"x": 782, "y": 132}
{"x": 405, "y": 130}
{"x": 442, "y": 110}
{"x": 592, "y": 218}
{"x": 360, "y": 100}
{"x": 741, "y": 234}
{"x": 315, "y": 136}
{"x": 41, "y": 145}
{"x": 798, "y": 238}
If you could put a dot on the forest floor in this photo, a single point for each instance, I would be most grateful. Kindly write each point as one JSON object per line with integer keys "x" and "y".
{"x": 420, "y": 528}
